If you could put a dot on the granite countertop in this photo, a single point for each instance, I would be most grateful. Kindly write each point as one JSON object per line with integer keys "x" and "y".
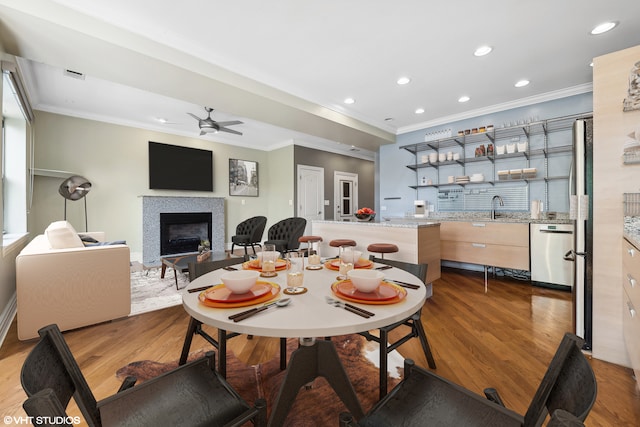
{"x": 408, "y": 223}
{"x": 632, "y": 230}
{"x": 518, "y": 217}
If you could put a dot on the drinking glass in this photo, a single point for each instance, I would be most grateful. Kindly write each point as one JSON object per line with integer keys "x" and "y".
{"x": 295, "y": 273}
{"x": 268, "y": 263}
{"x": 347, "y": 261}
{"x": 314, "y": 259}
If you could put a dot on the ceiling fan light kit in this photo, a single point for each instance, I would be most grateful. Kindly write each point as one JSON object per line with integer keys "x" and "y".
{"x": 208, "y": 125}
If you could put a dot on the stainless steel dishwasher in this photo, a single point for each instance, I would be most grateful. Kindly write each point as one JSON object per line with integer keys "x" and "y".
{"x": 549, "y": 244}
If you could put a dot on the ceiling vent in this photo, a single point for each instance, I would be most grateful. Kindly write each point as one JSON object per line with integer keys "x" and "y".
{"x": 74, "y": 74}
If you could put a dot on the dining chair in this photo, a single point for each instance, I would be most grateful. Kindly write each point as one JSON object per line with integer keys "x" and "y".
{"x": 195, "y": 326}
{"x": 416, "y": 329}
{"x": 424, "y": 398}
{"x": 285, "y": 234}
{"x": 51, "y": 377}
{"x": 249, "y": 233}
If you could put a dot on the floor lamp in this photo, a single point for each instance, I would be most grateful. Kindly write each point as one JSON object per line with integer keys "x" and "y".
{"x": 75, "y": 188}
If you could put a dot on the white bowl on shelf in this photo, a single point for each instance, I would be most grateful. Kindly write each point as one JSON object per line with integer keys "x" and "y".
{"x": 511, "y": 148}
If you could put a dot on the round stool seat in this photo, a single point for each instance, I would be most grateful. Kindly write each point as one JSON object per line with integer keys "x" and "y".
{"x": 383, "y": 248}
{"x": 336, "y": 243}
{"x": 307, "y": 239}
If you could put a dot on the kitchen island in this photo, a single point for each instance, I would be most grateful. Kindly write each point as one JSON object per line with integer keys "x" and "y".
{"x": 418, "y": 242}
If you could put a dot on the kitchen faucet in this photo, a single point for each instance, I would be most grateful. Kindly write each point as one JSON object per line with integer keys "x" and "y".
{"x": 493, "y": 209}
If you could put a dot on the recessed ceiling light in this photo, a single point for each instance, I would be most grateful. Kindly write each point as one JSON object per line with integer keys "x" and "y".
{"x": 161, "y": 120}
{"x": 604, "y": 27}
{"x": 349, "y": 101}
{"x": 419, "y": 110}
{"x": 522, "y": 83}
{"x": 483, "y": 50}
{"x": 591, "y": 65}
{"x": 463, "y": 99}
{"x": 403, "y": 80}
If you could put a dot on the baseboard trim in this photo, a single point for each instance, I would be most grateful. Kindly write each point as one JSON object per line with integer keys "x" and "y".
{"x": 7, "y": 316}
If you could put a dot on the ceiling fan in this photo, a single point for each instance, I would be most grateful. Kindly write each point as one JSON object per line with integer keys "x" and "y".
{"x": 208, "y": 125}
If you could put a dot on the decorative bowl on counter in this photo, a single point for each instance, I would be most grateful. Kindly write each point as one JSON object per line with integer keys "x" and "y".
{"x": 365, "y": 217}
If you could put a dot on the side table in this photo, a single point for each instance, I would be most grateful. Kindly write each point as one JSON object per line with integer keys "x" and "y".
{"x": 181, "y": 262}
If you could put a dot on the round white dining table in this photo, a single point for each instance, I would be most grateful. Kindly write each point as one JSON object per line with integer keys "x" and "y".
{"x": 308, "y": 316}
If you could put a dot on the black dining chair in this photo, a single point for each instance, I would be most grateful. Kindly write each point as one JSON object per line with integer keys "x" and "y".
{"x": 424, "y": 398}
{"x": 414, "y": 322}
{"x": 195, "y": 326}
{"x": 249, "y": 233}
{"x": 285, "y": 234}
{"x": 51, "y": 377}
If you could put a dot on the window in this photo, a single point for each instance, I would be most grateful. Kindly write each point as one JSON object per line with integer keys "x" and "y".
{"x": 16, "y": 132}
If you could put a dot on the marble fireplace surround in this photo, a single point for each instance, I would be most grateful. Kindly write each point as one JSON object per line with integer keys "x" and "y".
{"x": 153, "y": 206}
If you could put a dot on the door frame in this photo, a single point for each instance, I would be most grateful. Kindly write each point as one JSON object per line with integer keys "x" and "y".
{"x": 338, "y": 178}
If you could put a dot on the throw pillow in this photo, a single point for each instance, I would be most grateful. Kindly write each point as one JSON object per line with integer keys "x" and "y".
{"x": 116, "y": 242}
{"x": 62, "y": 235}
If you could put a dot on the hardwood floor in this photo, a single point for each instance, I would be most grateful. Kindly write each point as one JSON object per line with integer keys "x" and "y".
{"x": 503, "y": 339}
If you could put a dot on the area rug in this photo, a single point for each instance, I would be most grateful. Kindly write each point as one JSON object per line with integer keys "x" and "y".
{"x": 315, "y": 406}
{"x": 149, "y": 292}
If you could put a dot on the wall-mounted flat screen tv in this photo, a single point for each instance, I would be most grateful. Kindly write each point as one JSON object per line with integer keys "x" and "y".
{"x": 172, "y": 167}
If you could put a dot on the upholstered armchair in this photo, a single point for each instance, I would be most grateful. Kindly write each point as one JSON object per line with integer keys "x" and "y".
{"x": 285, "y": 233}
{"x": 249, "y": 233}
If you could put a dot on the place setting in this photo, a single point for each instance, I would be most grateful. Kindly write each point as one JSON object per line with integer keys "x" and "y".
{"x": 239, "y": 288}
{"x": 348, "y": 259}
{"x": 268, "y": 262}
{"x": 368, "y": 287}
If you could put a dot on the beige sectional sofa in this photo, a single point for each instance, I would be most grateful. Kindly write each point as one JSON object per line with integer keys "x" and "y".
{"x": 61, "y": 281}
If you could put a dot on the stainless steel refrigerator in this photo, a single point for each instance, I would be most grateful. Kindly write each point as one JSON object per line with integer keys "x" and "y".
{"x": 580, "y": 211}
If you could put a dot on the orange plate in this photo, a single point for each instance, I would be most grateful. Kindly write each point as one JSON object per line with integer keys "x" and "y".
{"x": 253, "y": 265}
{"x": 275, "y": 290}
{"x": 220, "y": 293}
{"x": 335, "y": 264}
{"x": 355, "y": 296}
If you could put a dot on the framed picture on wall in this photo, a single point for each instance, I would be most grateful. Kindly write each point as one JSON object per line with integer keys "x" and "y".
{"x": 243, "y": 178}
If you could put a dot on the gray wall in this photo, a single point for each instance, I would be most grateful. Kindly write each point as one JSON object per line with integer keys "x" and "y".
{"x": 332, "y": 162}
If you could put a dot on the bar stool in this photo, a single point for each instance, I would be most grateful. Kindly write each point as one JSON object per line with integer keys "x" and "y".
{"x": 383, "y": 248}
{"x": 336, "y": 243}
{"x": 309, "y": 240}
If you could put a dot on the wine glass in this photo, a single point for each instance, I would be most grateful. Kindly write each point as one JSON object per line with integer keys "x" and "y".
{"x": 295, "y": 273}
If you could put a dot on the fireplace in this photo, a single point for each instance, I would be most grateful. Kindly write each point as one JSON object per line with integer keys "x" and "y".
{"x": 154, "y": 206}
{"x": 182, "y": 232}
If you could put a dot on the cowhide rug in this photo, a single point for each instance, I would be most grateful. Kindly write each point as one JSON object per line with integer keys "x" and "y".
{"x": 315, "y": 406}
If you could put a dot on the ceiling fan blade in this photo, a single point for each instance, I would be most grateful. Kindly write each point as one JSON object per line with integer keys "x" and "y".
{"x": 202, "y": 133}
{"x": 229, "y": 123}
{"x": 194, "y": 116}
{"x": 222, "y": 129}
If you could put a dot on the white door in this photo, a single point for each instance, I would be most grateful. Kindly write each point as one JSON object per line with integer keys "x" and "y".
{"x": 310, "y": 194}
{"x": 345, "y": 190}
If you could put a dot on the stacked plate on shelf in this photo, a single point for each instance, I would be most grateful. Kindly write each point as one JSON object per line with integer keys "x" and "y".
{"x": 477, "y": 177}
{"x": 462, "y": 179}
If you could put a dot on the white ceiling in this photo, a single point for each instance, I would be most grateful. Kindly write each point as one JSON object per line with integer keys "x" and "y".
{"x": 284, "y": 67}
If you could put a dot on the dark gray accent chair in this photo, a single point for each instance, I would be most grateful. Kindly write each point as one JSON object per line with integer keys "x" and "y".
{"x": 285, "y": 234}
{"x": 249, "y": 233}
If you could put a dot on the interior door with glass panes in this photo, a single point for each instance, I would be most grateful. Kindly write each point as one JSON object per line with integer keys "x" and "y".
{"x": 345, "y": 195}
